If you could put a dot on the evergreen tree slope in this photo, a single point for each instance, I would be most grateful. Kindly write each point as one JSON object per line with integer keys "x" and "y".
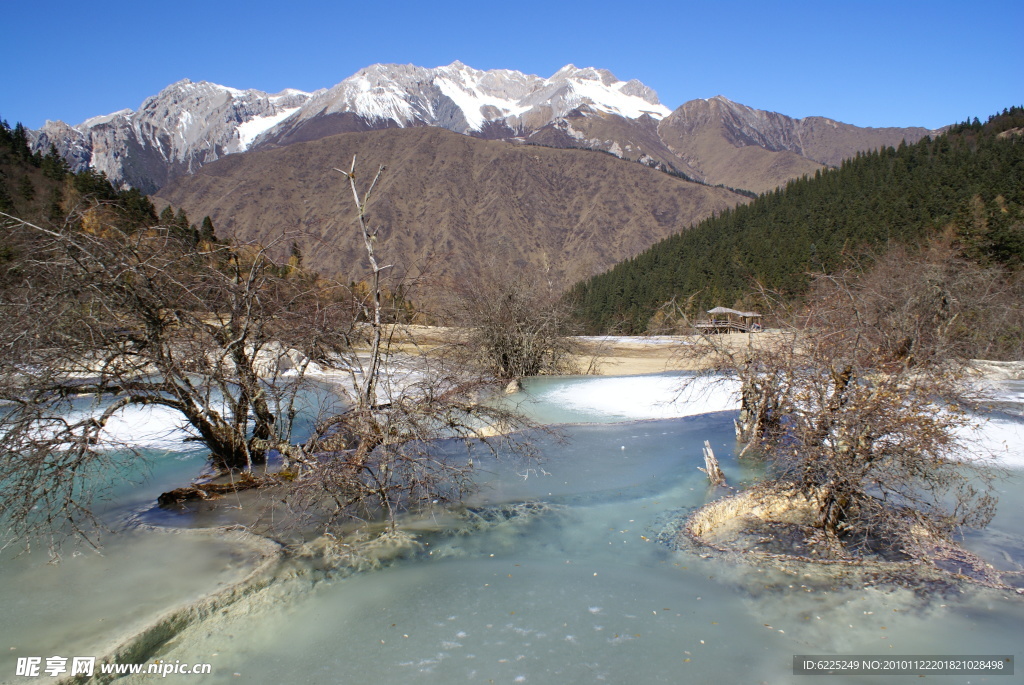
{"x": 42, "y": 190}
{"x": 968, "y": 181}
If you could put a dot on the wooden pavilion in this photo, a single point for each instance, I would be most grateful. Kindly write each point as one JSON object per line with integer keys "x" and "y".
{"x": 725, "y": 320}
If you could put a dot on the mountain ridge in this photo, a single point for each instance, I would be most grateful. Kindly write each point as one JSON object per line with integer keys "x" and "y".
{"x": 961, "y": 189}
{"x": 186, "y": 125}
{"x": 190, "y": 124}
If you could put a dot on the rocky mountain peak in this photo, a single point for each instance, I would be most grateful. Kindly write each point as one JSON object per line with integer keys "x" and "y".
{"x": 723, "y": 141}
{"x": 188, "y": 123}
{"x": 460, "y": 98}
{"x": 185, "y": 125}
{"x": 571, "y": 71}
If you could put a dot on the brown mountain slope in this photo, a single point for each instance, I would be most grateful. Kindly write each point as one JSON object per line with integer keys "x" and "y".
{"x": 830, "y": 142}
{"x": 741, "y": 147}
{"x": 448, "y": 203}
{"x": 632, "y": 139}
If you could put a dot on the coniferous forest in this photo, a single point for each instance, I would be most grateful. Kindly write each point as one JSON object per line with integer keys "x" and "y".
{"x": 40, "y": 188}
{"x": 966, "y": 185}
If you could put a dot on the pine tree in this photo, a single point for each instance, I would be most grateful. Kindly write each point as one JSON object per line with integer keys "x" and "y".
{"x": 206, "y": 232}
{"x": 56, "y": 208}
{"x": 181, "y": 220}
{"x": 6, "y": 203}
{"x": 26, "y": 188}
{"x": 53, "y": 165}
{"x": 167, "y": 217}
{"x": 20, "y": 142}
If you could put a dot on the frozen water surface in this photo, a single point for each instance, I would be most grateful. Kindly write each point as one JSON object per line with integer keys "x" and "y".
{"x": 88, "y": 603}
{"x": 589, "y": 399}
{"x": 580, "y": 592}
{"x": 584, "y": 594}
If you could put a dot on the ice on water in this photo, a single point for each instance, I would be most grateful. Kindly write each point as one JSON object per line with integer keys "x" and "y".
{"x": 581, "y": 592}
{"x": 589, "y": 399}
{"x": 87, "y": 603}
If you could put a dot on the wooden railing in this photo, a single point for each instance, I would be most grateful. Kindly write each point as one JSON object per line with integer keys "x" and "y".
{"x": 726, "y": 326}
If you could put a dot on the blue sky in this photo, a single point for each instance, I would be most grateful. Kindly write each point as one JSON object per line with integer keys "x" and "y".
{"x": 866, "y": 63}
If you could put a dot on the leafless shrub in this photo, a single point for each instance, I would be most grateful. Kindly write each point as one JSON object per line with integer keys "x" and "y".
{"x": 225, "y": 337}
{"x": 516, "y": 325}
{"x": 860, "y": 398}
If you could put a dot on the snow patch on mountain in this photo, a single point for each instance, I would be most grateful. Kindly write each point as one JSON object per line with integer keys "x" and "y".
{"x": 248, "y": 131}
{"x": 289, "y": 93}
{"x": 378, "y": 102}
{"x": 103, "y": 119}
{"x": 611, "y": 99}
{"x": 464, "y": 100}
{"x": 472, "y": 102}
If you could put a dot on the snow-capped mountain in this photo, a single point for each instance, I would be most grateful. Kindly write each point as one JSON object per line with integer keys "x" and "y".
{"x": 190, "y": 124}
{"x": 467, "y": 100}
{"x": 176, "y": 131}
{"x": 714, "y": 141}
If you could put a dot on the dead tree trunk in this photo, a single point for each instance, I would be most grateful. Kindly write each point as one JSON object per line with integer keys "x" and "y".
{"x": 759, "y": 405}
{"x": 368, "y": 393}
{"x": 711, "y": 467}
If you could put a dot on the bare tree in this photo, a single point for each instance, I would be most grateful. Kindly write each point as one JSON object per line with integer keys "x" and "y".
{"x": 860, "y": 399}
{"x": 416, "y": 422}
{"x": 219, "y": 334}
{"x": 516, "y": 324}
{"x": 225, "y": 337}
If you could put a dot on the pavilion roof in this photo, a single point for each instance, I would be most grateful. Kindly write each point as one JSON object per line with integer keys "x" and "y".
{"x": 726, "y": 310}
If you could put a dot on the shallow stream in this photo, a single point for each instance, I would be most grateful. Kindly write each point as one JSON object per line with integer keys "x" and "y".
{"x": 575, "y": 589}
